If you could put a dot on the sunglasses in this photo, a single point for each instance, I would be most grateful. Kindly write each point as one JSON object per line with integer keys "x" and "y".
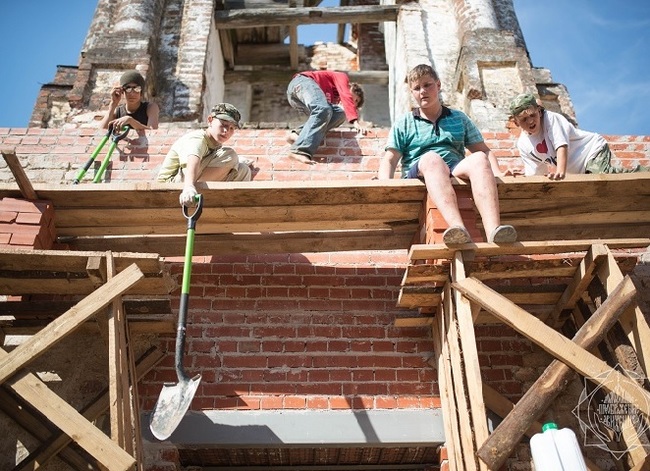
{"x": 136, "y": 89}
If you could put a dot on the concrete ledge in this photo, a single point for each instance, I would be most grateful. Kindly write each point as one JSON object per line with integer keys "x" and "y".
{"x": 305, "y": 428}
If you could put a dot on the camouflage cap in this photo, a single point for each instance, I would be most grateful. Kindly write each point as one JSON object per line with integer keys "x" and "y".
{"x": 227, "y": 112}
{"x": 522, "y": 102}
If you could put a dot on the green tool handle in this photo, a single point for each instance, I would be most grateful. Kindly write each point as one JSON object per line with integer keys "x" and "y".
{"x": 185, "y": 286}
{"x": 92, "y": 158}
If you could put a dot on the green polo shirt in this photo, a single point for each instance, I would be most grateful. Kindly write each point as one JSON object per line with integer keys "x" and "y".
{"x": 413, "y": 136}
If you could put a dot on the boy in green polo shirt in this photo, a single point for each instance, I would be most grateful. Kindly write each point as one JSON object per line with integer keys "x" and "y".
{"x": 430, "y": 141}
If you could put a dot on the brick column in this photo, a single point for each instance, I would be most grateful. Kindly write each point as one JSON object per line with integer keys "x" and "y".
{"x": 26, "y": 224}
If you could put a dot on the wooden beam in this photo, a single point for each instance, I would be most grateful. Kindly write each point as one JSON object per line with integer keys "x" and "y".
{"x": 68, "y": 322}
{"x": 293, "y": 47}
{"x": 508, "y": 269}
{"x": 215, "y": 244}
{"x": 58, "y": 442}
{"x": 507, "y": 435}
{"x": 413, "y": 321}
{"x": 363, "y": 77}
{"x": 633, "y": 321}
{"x": 439, "y": 251}
{"x": 471, "y": 367}
{"x": 466, "y": 443}
{"x": 581, "y": 279}
{"x": 26, "y": 188}
{"x": 71, "y": 422}
{"x": 33, "y": 424}
{"x": 264, "y": 17}
{"x": 447, "y": 397}
{"x": 120, "y": 399}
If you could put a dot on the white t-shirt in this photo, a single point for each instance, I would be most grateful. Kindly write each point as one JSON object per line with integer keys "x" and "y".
{"x": 540, "y": 149}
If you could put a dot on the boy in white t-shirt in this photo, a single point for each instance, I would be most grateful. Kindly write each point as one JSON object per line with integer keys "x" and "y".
{"x": 550, "y": 145}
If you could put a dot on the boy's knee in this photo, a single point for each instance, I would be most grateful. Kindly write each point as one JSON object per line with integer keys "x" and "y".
{"x": 240, "y": 173}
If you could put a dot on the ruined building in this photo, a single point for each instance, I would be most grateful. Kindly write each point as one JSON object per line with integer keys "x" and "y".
{"x": 331, "y": 327}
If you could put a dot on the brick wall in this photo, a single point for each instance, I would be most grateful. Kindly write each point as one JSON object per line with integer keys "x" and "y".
{"x": 55, "y": 155}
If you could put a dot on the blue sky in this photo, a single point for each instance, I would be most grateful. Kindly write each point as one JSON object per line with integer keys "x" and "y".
{"x": 597, "y": 48}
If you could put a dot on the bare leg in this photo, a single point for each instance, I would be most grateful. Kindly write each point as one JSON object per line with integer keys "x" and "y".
{"x": 476, "y": 169}
{"x": 436, "y": 178}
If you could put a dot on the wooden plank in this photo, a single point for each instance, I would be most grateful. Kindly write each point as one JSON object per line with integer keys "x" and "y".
{"x": 71, "y": 422}
{"x": 502, "y": 407}
{"x": 413, "y": 321}
{"x": 447, "y": 397}
{"x": 283, "y": 76}
{"x": 582, "y": 186}
{"x": 68, "y": 322}
{"x": 26, "y": 188}
{"x": 415, "y": 296}
{"x": 633, "y": 320}
{"x": 508, "y": 269}
{"x": 425, "y": 273}
{"x": 293, "y": 48}
{"x": 629, "y": 432}
{"x": 471, "y": 367}
{"x": 172, "y": 218}
{"x": 502, "y": 441}
{"x": 118, "y": 412}
{"x": 58, "y": 442}
{"x": 466, "y": 442}
{"x": 440, "y": 251}
{"x": 575, "y": 219}
{"x": 246, "y": 226}
{"x": 225, "y": 194}
{"x": 584, "y": 232}
{"x": 67, "y": 261}
{"x": 255, "y": 17}
{"x": 35, "y": 426}
{"x": 576, "y": 204}
{"x": 419, "y": 296}
{"x": 221, "y": 244}
{"x": 581, "y": 280}
{"x": 61, "y": 286}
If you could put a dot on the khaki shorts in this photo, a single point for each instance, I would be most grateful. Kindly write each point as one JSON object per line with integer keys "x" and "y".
{"x": 224, "y": 157}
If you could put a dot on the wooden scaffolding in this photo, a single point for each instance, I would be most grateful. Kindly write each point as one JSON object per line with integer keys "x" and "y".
{"x": 456, "y": 289}
{"x": 585, "y": 219}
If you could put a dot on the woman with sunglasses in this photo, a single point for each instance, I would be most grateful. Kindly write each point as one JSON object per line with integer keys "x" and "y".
{"x": 134, "y": 112}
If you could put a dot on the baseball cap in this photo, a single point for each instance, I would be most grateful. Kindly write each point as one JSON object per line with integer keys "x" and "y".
{"x": 522, "y": 102}
{"x": 227, "y": 112}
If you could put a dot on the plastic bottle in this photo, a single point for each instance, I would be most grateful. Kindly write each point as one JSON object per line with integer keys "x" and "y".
{"x": 556, "y": 450}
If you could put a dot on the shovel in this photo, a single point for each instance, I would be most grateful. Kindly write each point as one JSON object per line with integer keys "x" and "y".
{"x": 175, "y": 399}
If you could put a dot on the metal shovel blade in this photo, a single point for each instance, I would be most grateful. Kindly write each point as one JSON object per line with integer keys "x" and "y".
{"x": 173, "y": 402}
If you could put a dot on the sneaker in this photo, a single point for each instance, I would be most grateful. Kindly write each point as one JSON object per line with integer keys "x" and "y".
{"x": 456, "y": 235}
{"x": 503, "y": 235}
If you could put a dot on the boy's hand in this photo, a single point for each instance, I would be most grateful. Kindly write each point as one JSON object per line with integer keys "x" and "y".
{"x": 362, "y": 126}
{"x": 116, "y": 95}
{"x": 187, "y": 196}
{"x": 556, "y": 175}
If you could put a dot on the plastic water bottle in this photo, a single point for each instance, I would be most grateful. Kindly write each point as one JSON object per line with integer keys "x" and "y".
{"x": 556, "y": 450}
